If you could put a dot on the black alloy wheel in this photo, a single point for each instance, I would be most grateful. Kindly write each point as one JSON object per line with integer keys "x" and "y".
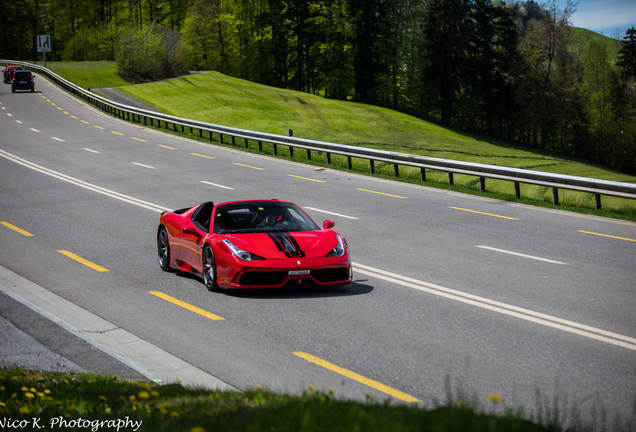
{"x": 163, "y": 249}
{"x": 209, "y": 270}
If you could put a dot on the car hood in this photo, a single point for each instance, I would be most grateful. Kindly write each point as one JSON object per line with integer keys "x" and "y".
{"x": 281, "y": 245}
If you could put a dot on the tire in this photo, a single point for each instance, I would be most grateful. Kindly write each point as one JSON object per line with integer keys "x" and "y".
{"x": 209, "y": 270}
{"x": 12, "y": 90}
{"x": 163, "y": 250}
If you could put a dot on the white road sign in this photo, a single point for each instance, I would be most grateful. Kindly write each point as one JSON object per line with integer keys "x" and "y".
{"x": 44, "y": 43}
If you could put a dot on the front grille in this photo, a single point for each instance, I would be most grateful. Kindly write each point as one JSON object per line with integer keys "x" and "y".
{"x": 263, "y": 278}
{"x": 331, "y": 275}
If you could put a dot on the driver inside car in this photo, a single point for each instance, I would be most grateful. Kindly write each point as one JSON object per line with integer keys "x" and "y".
{"x": 273, "y": 218}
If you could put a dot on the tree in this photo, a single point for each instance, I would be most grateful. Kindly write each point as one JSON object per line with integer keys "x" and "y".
{"x": 627, "y": 55}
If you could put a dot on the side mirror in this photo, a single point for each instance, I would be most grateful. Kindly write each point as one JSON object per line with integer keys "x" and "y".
{"x": 328, "y": 224}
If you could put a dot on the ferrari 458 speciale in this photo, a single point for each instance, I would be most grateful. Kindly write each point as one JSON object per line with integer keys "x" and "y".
{"x": 253, "y": 244}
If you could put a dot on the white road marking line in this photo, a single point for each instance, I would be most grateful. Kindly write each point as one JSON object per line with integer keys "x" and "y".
{"x": 18, "y": 121}
{"x": 331, "y": 213}
{"x": 521, "y": 255}
{"x": 503, "y": 308}
{"x": 142, "y": 165}
{"x": 85, "y": 185}
{"x": 217, "y": 185}
{"x": 58, "y": 139}
{"x": 35, "y": 130}
{"x": 92, "y": 151}
{"x": 9, "y": 114}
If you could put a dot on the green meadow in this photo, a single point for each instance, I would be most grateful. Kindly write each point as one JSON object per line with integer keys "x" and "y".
{"x": 219, "y": 99}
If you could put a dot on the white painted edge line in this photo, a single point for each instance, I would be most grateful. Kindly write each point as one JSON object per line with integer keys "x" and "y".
{"x": 35, "y": 130}
{"x": 85, "y": 185}
{"x": 9, "y": 114}
{"x": 138, "y": 354}
{"x": 331, "y": 213}
{"x": 522, "y": 255}
{"x": 142, "y": 165}
{"x": 503, "y": 308}
{"x": 58, "y": 139}
{"x": 18, "y": 121}
{"x": 217, "y": 185}
{"x": 90, "y": 150}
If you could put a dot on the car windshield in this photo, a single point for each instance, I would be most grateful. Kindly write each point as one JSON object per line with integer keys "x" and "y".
{"x": 265, "y": 216}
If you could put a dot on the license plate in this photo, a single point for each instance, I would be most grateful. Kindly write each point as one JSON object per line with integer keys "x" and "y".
{"x": 23, "y": 82}
{"x": 298, "y": 272}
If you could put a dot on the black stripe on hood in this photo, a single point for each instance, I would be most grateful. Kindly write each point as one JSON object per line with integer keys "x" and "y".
{"x": 285, "y": 242}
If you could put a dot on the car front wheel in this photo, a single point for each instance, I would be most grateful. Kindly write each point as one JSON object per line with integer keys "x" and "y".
{"x": 163, "y": 249}
{"x": 209, "y": 270}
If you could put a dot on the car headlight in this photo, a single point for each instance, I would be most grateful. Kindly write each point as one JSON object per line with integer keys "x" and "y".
{"x": 339, "y": 250}
{"x": 240, "y": 253}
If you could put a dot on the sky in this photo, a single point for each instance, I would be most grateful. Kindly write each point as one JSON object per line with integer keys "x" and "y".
{"x": 604, "y": 16}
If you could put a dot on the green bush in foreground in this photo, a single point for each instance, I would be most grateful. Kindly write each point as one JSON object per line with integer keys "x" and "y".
{"x": 56, "y": 401}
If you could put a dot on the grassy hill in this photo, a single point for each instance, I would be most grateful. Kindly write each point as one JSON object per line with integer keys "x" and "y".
{"x": 216, "y": 98}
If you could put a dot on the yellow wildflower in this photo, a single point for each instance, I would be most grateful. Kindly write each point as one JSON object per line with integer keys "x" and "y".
{"x": 29, "y": 395}
{"x": 103, "y": 398}
{"x": 174, "y": 414}
{"x": 143, "y": 395}
{"x": 494, "y": 398}
{"x": 2, "y": 404}
{"x": 24, "y": 410}
{"x": 310, "y": 387}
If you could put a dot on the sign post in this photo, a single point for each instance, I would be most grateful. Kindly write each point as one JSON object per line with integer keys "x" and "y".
{"x": 44, "y": 45}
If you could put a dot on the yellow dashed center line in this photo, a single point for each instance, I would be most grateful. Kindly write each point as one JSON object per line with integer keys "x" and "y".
{"x": 487, "y": 214}
{"x": 139, "y": 139}
{"x": 171, "y": 148}
{"x": 186, "y": 306}
{"x": 59, "y": 108}
{"x": 84, "y": 121}
{"x": 98, "y": 127}
{"x": 53, "y": 104}
{"x": 305, "y": 178}
{"x": 83, "y": 261}
{"x": 606, "y": 235}
{"x": 247, "y": 166}
{"x": 66, "y": 112}
{"x": 207, "y": 157}
{"x": 16, "y": 229}
{"x": 116, "y": 133}
{"x": 354, "y": 376}
{"x": 381, "y": 193}
{"x": 74, "y": 117}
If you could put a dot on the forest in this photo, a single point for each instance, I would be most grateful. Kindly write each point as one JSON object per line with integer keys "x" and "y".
{"x": 515, "y": 71}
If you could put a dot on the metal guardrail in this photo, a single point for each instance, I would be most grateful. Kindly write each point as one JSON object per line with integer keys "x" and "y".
{"x": 517, "y": 176}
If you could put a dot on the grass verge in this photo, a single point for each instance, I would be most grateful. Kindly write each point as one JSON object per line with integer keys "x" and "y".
{"x": 56, "y": 401}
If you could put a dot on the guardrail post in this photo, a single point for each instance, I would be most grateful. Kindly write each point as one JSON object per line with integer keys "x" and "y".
{"x": 517, "y": 190}
{"x": 245, "y": 142}
{"x": 200, "y": 133}
{"x": 308, "y": 154}
{"x": 275, "y": 149}
{"x": 396, "y": 170}
{"x": 423, "y": 174}
{"x": 555, "y": 196}
{"x": 291, "y": 151}
{"x": 260, "y": 146}
{"x": 450, "y": 179}
{"x": 233, "y": 140}
{"x": 482, "y": 184}
{"x": 221, "y": 138}
{"x": 329, "y": 158}
{"x": 349, "y": 162}
{"x": 210, "y": 135}
{"x": 598, "y": 201}
{"x": 372, "y": 166}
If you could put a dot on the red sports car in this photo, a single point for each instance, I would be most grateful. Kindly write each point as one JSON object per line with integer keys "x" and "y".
{"x": 253, "y": 244}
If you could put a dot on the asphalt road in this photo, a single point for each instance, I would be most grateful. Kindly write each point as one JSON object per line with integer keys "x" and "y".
{"x": 487, "y": 296}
